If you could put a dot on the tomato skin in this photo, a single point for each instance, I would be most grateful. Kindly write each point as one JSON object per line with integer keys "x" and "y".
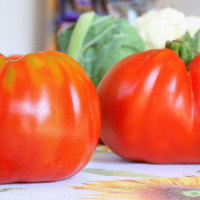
{"x": 49, "y": 118}
{"x": 150, "y": 108}
{"x": 14, "y": 56}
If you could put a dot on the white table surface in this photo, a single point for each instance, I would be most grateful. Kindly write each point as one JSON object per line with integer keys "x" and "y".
{"x": 107, "y": 176}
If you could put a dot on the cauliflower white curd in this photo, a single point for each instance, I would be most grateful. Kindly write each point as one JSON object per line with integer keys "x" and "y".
{"x": 158, "y": 26}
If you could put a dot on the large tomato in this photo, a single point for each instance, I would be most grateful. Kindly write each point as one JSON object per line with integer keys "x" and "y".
{"x": 49, "y": 118}
{"x": 150, "y": 107}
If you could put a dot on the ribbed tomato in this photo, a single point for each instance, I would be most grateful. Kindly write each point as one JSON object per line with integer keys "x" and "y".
{"x": 49, "y": 118}
{"x": 150, "y": 107}
{"x": 14, "y": 56}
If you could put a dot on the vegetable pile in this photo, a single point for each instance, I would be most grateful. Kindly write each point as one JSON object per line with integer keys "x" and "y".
{"x": 150, "y": 100}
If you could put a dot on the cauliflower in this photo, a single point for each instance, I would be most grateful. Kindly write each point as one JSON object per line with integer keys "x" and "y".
{"x": 158, "y": 26}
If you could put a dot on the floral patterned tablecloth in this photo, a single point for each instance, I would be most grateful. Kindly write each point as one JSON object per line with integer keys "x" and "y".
{"x": 107, "y": 176}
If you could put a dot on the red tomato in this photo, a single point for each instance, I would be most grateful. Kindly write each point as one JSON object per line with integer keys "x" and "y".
{"x": 15, "y": 57}
{"x": 150, "y": 107}
{"x": 49, "y": 118}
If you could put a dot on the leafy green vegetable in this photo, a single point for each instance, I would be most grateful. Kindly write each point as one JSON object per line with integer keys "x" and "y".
{"x": 193, "y": 42}
{"x": 99, "y": 42}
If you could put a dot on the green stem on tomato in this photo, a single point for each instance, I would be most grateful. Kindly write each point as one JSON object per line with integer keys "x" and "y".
{"x": 182, "y": 49}
{"x": 198, "y": 40}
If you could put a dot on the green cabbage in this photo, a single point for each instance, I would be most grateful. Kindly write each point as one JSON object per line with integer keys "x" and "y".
{"x": 99, "y": 42}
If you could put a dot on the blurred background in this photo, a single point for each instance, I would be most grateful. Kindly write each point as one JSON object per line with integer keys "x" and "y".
{"x": 32, "y": 25}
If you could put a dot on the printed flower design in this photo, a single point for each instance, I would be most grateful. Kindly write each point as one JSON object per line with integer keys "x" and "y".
{"x": 184, "y": 188}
